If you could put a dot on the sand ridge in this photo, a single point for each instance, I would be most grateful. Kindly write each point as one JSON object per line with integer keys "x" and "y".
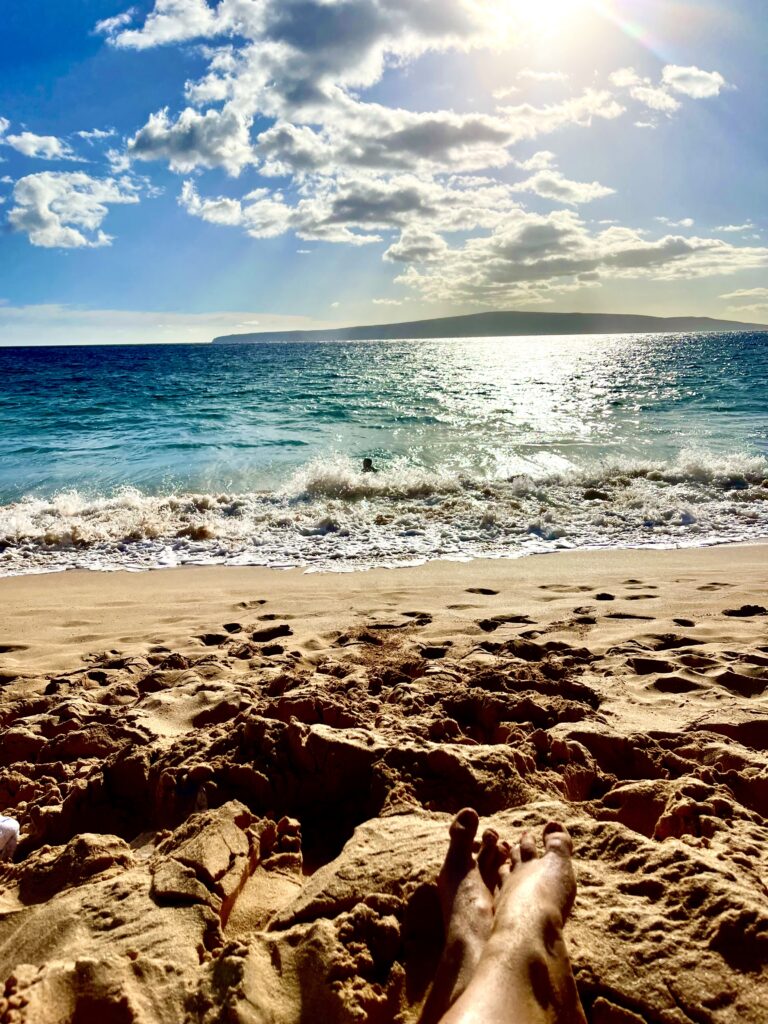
{"x": 235, "y": 793}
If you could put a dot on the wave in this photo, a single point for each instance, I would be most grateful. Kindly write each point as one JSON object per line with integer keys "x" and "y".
{"x": 329, "y": 515}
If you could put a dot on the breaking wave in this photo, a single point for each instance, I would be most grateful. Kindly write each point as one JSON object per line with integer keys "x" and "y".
{"x": 329, "y": 516}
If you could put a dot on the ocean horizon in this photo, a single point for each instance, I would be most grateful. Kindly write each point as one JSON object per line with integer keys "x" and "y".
{"x": 138, "y": 457}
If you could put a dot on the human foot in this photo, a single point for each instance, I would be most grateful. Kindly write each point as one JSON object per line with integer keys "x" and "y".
{"x": 524, "y": 974}
{"x": 466, "y": 886}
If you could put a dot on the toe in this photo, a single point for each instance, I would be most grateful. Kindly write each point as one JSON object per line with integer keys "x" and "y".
{"x": 462, "y": 831}
{"x": 557, "y": 839}
{"x": 489, "y": 858}
{"x": 527, "y": 847}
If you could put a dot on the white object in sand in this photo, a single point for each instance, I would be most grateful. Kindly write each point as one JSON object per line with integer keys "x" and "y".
{"x": 9, "y": 837}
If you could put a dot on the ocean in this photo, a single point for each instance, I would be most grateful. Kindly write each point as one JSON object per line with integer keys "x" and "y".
{"x": 136, "y": 457}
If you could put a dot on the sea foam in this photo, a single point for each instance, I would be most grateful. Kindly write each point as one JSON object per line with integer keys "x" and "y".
{"x": 330, "y": 516}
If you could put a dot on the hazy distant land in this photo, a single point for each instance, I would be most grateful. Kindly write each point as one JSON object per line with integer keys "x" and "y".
{"x": 502, "y": 324}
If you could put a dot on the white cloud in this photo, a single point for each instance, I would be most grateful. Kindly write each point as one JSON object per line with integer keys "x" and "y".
{"x": 540, "y": 161}
{"x": 263, "y": 215}
{"x": 530, "y": 256}
{"x": 96, "y": 134}
{"x": 358, "y": 172}
{"x": 52, "y": 208}
{"x": 213, "y": 139}
{"x": 686, "y": 222}
{"x": 551, "y": 184}
{"x": 685, "y": 81}
{"x": 111, "y": 26}
{"x": 655, "y": 98}
{"x": 387, "y": 302}
{"x": 542, "y": 76}
{"x": 736, "y": 228}
{"x": 41, "y": 147}
{"x": 747, "y": 293}
{"x": 693, "y": 82}
{"x": 355, "y": 210}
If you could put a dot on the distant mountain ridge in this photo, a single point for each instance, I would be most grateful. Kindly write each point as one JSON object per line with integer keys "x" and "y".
{"x": 502, "y": 324}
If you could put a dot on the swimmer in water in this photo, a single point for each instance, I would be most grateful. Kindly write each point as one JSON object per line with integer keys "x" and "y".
{"x": 368, "y": 466}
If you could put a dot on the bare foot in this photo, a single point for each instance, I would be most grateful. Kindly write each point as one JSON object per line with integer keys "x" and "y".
{"x": 523, "y": 975}
{"x": 466, "y": 886}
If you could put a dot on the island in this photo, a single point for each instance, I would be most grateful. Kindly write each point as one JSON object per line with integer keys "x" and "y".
{"x": 513, "y": 323}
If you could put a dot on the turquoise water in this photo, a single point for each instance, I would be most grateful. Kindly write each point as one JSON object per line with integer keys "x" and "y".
{"x": 121, "y": 456}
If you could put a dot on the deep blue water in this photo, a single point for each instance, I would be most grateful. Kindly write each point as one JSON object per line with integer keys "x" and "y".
{"x": 139, "y": 456}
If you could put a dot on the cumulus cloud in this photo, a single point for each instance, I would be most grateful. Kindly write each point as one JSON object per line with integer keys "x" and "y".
{"x": 685, "y": 81}
{"x": 41, "y": 147}
{"x": 551, "y": 184}
{"x": 656, "y": 97}
{"x": 355, "y": 210}
{"x": 66, "y": 209}
{"x": 213, "y": 139}
{"x": 693, "y": 82}
{"x": 531, "y": 254}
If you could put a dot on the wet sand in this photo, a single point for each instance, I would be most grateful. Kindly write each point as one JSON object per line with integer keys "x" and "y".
{"x": 234, "y": 784}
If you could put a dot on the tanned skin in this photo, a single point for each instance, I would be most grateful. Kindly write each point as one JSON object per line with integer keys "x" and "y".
{"x": 504, "y": 908}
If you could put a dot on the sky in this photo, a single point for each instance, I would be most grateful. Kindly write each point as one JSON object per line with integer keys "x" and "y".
{"x": 175, "y": 169}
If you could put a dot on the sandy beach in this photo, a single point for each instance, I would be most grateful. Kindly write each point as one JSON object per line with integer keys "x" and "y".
{"x": 234, "y": 785}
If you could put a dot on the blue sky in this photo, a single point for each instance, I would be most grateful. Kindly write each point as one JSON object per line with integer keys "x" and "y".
{"x": 180, "y": 168}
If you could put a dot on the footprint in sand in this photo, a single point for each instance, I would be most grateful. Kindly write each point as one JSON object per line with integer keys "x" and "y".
{"x": 212, "y": 639}
{"x": 485, "y": 591}
{"x": 492, "y": 624}
{"x": 715, "y": 586}
{"x": 420, "y": 618}
{"x": 675, "y": 684}
{"x": 271, "y": 633}
{"x": 252, "y": 604}
{"x": 641, "y": 597}
{"x": 605, "y": 597}
{"x": 684, "y": 622}
{"x": 747, "y": 611}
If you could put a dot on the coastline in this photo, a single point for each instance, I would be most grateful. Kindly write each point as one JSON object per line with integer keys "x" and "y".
{"x": 234, "y": 784}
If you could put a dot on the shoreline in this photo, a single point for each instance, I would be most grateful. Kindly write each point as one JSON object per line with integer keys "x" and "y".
{"x": 39, "y": 607}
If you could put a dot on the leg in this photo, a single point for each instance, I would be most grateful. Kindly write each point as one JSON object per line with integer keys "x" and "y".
{"x": 523, "y": 975}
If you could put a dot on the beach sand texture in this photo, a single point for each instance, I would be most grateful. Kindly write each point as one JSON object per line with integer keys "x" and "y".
{"x": 234, "y": 785}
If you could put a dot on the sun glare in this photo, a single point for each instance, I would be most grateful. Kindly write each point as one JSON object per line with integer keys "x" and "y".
{"x": 542, "y": 17}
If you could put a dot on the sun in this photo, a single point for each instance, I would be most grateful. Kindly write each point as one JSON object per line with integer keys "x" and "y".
{"x": 541, "y": 17}
{"x": 552, "y": 15}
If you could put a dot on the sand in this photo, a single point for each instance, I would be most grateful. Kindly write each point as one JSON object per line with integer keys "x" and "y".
{"x": 234, "y": 785}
